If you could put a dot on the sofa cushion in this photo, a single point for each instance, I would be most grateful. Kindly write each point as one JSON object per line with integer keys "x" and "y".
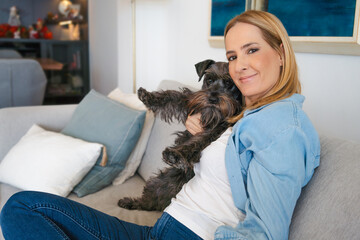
{"x": 48, "y": 161}
{"x": 328, "y": 207}
{"x": 131, "y": 100}
{"x": 161, "y": 136}
{"x": 101, "y": 119}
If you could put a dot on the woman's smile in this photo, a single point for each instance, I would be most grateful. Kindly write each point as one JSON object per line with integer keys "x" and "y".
{"x": 248, "y": 78}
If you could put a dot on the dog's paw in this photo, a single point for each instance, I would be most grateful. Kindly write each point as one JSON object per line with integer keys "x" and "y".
{"x": 142, "y": 94}
{"x": 171, "y": 156}
{"x": 174, "y": 158}
{"x": 127, "y": 203}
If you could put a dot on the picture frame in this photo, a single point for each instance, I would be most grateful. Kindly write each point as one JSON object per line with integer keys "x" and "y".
{"x": 333, "y": 32}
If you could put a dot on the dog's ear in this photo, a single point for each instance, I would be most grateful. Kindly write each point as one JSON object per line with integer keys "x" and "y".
{"x": 202, "y": 66}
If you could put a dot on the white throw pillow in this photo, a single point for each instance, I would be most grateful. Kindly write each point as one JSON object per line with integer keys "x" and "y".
{"x": 48, "y": 161}
{"x": 131, "y": 100}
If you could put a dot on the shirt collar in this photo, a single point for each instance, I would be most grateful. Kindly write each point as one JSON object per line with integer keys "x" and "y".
{"x": 296, "y": 98}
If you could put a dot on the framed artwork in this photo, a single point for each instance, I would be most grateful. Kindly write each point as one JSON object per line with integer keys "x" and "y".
{"x": 319, "y": 26}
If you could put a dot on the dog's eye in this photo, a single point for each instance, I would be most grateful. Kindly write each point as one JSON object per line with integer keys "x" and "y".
{"x": 209, "y": 81}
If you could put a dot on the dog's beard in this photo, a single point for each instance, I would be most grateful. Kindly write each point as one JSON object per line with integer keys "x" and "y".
{"x": 214, "y": 107}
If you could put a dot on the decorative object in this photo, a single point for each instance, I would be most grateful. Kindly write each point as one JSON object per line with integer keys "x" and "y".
{"x": 221, "y": 13}
{"x": 74, "y": 31}
{"x": 32, "y": 32}
{"x": 17, "y": 34}
{"x": 74, "y": 11}
{"x": 98, "y": 118}
{"x": 313, "y": 26}
{"x": 77, "y": 82}
{"x": 64, "y": 7}
{"x": 48, "y": 161}
{"x": 39, "y": 31}
{"x": 14, "y": 17}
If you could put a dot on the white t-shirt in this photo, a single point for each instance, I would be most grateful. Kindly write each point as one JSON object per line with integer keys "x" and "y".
{"x": 205, "y": 202}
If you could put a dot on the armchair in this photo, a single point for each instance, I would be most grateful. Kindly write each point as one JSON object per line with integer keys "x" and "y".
{"x": 9, "y": 53}
{"x": 22, "y": 82}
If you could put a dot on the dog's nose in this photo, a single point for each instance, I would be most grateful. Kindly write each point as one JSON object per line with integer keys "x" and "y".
{"x": 213, "y": 99}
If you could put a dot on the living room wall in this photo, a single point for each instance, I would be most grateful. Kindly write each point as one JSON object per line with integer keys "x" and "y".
{"x": 171, "y": 36}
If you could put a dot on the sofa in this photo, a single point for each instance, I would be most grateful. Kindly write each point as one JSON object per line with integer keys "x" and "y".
{"x": 328, "y": 207}
{"x": 22, "y": 82}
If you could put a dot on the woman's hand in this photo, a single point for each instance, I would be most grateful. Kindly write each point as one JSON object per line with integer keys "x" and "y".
{"x": 193, "y": 124}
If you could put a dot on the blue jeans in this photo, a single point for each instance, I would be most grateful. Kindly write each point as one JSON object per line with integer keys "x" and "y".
{"x": 36, "y": 215}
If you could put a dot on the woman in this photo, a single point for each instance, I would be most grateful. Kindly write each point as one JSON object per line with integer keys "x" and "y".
{"x": 273, "y": 144}
{"x": 247, "y": 182}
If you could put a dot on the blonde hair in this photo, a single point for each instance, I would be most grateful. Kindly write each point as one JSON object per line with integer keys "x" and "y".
{"x": 275, "y": 35}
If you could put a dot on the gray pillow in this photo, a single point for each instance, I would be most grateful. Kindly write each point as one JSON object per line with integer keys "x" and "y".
{"x": 329, "y": 207}
{"x": 162, "y": 136}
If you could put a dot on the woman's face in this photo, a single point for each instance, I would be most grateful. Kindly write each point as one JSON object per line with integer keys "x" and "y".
{"x": 254, "y": 65}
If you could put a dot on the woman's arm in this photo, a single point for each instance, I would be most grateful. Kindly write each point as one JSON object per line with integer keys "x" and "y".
{"x": 273, "y": 184}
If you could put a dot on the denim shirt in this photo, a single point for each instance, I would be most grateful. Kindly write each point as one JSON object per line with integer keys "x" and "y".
{"x": 270, "y": 156}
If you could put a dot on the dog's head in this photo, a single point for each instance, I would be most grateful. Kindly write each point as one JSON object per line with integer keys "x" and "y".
{"x": 216, "y": 77}
{"x": 219, "y": 99}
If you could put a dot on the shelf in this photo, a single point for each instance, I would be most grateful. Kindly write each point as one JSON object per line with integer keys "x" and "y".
{"x": 57, "y": 21}
{"x": 39, "y": 40}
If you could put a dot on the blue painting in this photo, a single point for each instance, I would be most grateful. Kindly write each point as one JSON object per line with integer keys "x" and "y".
{"x": 320, "y": 18}
{"x": 313, "y": 18}
{"x": 223, "y": 11}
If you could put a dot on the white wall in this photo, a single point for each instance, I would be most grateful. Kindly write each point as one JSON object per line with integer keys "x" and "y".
{"x": 331, "y": 86}
{"x": 172, "y": 37}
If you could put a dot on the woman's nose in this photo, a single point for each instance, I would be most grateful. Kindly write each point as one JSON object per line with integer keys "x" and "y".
{"x": 241, "y": 65}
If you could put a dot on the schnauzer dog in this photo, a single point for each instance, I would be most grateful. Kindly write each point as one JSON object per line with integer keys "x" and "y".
{"x": 217, "y": 101}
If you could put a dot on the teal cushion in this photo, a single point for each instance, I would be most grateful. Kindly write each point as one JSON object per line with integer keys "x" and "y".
{"x": 99, "y": 119}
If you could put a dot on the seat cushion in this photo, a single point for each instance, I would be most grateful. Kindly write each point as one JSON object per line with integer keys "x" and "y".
{"x": 106, "y": 200}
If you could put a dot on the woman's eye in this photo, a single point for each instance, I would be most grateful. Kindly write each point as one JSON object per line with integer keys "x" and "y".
{"x": 231, "y": 58}
{"x": 252, "y": 50}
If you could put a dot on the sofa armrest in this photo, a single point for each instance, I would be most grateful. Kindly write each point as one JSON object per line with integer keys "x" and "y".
{"x": 16, "y": 121}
